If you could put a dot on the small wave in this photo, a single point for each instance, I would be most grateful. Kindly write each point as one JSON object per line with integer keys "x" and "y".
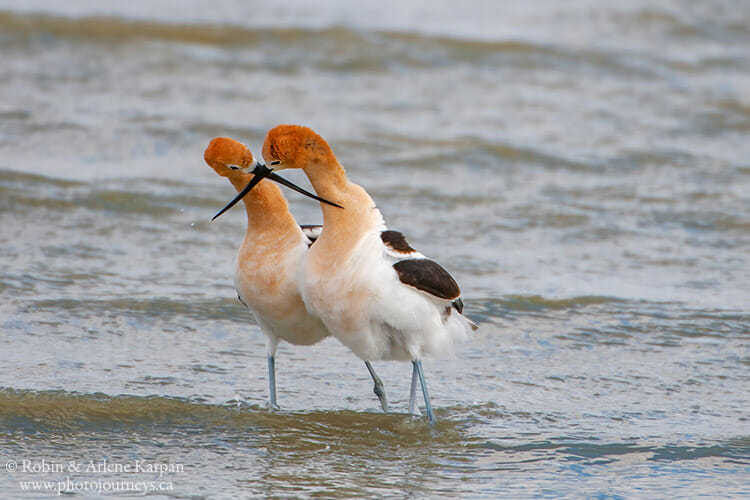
{"x": 21, "y": 189}
{"x": 600, "y": 453}
{"x": 119, "y": 28}
{"x": 480, "y": 152}
{"x": 49, "y": 411}
{"x": 114, "y": 28}
{"x": 156, "y": 307}
{"x": 540, "y": 303}
{"x": 59, "y": 411}
{"x": 337, "y": 47}
{"x": 13, "y": 178}
{"x": 509, "y": 307}
{"x": 111, "y": 28}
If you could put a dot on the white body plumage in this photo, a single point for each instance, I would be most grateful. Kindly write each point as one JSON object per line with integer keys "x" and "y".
{"x": 364, "y": 303}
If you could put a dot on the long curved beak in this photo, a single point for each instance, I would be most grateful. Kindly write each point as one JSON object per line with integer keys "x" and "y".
{"x": 259, "y": 173}
{"x": 277, "y": 178}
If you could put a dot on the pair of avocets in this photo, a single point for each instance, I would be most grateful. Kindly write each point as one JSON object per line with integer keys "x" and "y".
{"x": 351, "y": 278}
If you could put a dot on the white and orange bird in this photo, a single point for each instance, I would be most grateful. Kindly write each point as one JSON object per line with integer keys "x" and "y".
{"x": 271, "y": 255}
{"x": 372, "y": 290}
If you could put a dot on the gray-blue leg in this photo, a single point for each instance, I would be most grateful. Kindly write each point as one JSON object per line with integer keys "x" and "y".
{"x": 427, "y": 405}
{"x": 413, "y": 409}
{"x": 379, "y": 389}
{"x": 272, "y": 380}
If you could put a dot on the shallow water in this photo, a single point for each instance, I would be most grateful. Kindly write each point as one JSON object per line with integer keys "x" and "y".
{"x": 581, "y": 169}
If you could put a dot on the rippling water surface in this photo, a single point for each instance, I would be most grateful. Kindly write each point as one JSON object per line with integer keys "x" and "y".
{"x": 582, "y": 169}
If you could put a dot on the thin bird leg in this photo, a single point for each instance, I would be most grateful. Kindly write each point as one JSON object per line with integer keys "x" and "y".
{"x": 428, "y": 406}
{"x": 272, "y": 380}
{"x": 413, "y": 409}
{"x": 379, "y": 390}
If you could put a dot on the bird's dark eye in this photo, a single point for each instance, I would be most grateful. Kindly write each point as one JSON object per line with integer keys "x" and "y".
{"x": 275, "y": 162}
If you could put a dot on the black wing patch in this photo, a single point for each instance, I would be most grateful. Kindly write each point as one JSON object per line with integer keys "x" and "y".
{"x": 428, "y": 276}
{"x": 397, "y": 242}
{"x": 312, "y": 231}
{"x": 458, "y": 305}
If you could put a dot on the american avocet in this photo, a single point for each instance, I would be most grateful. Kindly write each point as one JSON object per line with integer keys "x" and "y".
{"x": 269, "y": 260}
{"x": 374, "y": 292}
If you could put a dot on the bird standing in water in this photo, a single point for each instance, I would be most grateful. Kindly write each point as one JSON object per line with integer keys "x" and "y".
{"x": 269, "y": 260}
{"x": 372, "y": 290}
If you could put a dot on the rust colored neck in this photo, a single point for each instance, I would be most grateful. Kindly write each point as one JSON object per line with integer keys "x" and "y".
{"x": 342, "y": 227}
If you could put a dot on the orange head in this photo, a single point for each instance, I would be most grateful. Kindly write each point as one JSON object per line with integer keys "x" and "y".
{"x": 232, "y": 159}
{"x": 295, "y": 146}
{"x": 229, "y": 157}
